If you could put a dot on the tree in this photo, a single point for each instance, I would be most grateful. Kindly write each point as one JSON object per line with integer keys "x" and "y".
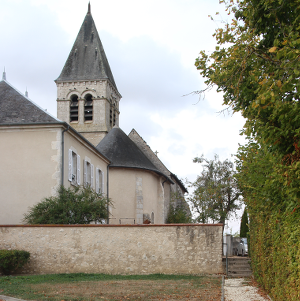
{"x": 216, "y": 193}
{"x": 256, "y": 65}
{"x": 179, "y": 212}
{"x": 244, "y": 224}
{"x": 73, "y": 205}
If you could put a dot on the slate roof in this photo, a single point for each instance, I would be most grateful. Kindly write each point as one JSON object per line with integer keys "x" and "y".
{"x": 123, "y": 152}
{"x": 87, "y": 59}
{"x": 17, "y": 108}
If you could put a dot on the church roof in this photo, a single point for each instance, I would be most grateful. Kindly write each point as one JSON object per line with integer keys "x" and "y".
{"x": 123, "y": 152}
{"x": 87, "y": 59}
{"x": 17, "y": 108}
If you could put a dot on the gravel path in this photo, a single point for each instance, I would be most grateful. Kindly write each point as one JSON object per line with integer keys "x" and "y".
{"x": 6, "y": 298}
{"x": 236, "y": 289}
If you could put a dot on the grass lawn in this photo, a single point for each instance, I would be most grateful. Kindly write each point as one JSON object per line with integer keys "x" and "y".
{"x": 65, "y": 287}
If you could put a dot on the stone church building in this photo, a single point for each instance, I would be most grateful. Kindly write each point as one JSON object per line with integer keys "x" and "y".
{"x": 84, "y": 145}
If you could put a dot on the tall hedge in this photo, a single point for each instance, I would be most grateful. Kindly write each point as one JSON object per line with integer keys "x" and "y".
{"x": 271, "y": 192}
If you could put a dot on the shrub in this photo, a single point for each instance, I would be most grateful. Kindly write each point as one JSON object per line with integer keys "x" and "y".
{"x": 179, "y": 212}
{"x": 11, "y": 260}
{"x": 73, "y": 205}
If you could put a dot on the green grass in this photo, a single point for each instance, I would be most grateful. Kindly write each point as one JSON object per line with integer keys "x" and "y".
{"x": 113, "y": 287}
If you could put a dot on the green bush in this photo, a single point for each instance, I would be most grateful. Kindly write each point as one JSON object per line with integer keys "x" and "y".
{"x": 179, "y": 211}
{"x": 73, "y": 205}
{"x": 11, "y": 260}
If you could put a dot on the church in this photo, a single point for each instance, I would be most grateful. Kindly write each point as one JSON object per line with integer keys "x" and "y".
{"x": 84, "y": 145}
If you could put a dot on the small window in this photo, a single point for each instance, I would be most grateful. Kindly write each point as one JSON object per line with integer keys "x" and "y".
{"x": 112, "y": 116}
{"x": 99, "y": 181}
{"x": 74, "y": 108}
{"x": 74, "y": 168}
{"x": 88, "y": 174}
{"x": 88, "y": 108}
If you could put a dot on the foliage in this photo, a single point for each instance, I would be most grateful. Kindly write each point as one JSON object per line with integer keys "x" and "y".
{"x": 11, "y": 260}
{"x": 179, "y": 212}
{"x": 216, "y": 194}
{"x": 275, "y": 231}
{"x": 256, "y": 64}
{"x": 73, "y": 205}
{"x": 244, "y": 229}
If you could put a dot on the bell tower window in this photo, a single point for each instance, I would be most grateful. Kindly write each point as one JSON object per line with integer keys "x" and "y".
{"x": 74, "y": 108}
{"x": 88, "y": 108}
{"x": 112, "y": 116}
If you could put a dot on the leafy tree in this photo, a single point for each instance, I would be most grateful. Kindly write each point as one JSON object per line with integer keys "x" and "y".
{"x": 256, "y": 65}
{"x": 244, "y": 224}
{"x": 179, "y": 212}
{"x": 216, "y": 193}
{"x": 73, "y": 205}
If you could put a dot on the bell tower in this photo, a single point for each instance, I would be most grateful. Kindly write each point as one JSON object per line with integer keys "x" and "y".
{"x": 87, "y": 96}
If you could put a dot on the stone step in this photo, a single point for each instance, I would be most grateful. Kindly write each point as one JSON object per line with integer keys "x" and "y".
{"x": 244, "y": 275}
{"x": 246, "y": 264}
{"x": 231, "y": 268}
{"x": 238, "y": 266}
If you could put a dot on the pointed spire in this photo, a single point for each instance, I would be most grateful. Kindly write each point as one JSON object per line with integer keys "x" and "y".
{"x": 26, "y": 92}
{"x": 87, "y": 60}
{"x": 4, "y": 75}
{"x": 89, "y": 9}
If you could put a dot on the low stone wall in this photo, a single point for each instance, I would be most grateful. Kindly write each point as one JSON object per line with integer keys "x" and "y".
{"x": 112, "y": 249}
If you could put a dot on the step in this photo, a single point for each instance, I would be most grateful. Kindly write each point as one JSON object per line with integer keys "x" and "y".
{"x": 238, "y": 266}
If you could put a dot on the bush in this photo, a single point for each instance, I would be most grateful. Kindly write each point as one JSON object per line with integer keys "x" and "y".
{"x": 11, "y": 260}
{"x": 73, "y": 205}
{"x": 179, "y": 212}
{"x": 178, "y": 215}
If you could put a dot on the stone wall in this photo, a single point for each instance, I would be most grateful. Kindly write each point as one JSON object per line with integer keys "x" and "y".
{"x": 111, "y": 249}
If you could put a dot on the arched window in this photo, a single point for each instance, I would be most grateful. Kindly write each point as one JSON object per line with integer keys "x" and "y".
{"x": 112, "y": 115}
{"x": 74, "y": 108}
{"x": 88, "y": 107}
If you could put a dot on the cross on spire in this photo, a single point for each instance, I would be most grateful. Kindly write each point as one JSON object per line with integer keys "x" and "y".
{"x": 4, "y": 75}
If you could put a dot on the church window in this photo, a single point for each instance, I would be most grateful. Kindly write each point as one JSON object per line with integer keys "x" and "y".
{"x": 88, "y": 174}
{"x": 74, "y": 168}
{"x": 112, "y": 116}
{"x": 99, "y": 181}
{"x": 74, "y": 108}
{"x": 88, "y": 108}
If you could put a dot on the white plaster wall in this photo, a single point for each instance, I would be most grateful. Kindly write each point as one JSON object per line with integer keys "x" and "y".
{"x": 83, "y": 150}
{"x": 123, "y": 193}
{"x": 30, "y": 163}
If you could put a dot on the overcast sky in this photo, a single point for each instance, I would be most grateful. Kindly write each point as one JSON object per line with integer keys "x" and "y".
{"x": 151, "y": 47}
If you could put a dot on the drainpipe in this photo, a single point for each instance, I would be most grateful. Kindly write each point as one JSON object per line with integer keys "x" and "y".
{"x": 107, "y": 193}
{"x": 63, "y": 155}
{"x": 164, "y": 182}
